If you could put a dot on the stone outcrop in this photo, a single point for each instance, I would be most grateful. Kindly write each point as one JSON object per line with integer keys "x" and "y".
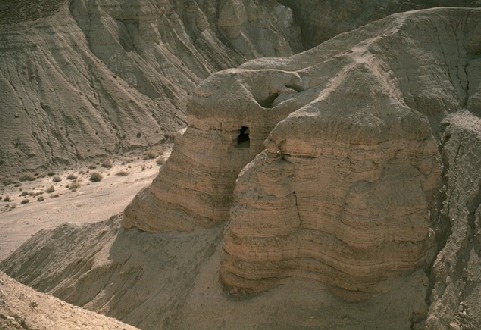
{"x": 342, "y": 196}
{"x": 327, "y": 169}
{"x": 226, "y": 130}
{"x": 88, "y": 78}
{"x": 345, "y": 189}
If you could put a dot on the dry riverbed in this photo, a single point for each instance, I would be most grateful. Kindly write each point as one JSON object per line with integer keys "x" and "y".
{"x": 33, "y": 205}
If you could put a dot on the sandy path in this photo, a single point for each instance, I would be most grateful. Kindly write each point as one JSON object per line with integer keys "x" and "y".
{"x": 92, "y": 202}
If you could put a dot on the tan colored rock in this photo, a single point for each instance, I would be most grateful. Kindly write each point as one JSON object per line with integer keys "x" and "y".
{"x": 345, "y": 190}
{"x": 208, "y": 157}
{"x": 24, "y": 308}
{"x": 340, "y": 195}
{"x": 87, "y": 78}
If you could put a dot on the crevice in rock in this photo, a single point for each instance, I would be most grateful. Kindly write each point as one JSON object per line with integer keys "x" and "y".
{"x": 442, "y": 223}
{"x": 297, "y": 88}
{"x": 471, "y": 243}
{"x": 268, "y": 102}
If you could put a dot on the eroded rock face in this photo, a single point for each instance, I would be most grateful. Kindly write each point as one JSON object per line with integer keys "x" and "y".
{"x": 342, "y": 196}
{"x": 340, "y": 185}
{"x": 322, "y": 20}
{"x": 87, "y": 78}
{"x": 345, "y": 189}
{"x": 456, "y": 272}
{"x": 226, "y": 130}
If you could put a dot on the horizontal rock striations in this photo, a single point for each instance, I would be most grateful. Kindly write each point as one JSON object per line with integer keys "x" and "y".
{"x": 346, "y": 167}
{"x": 345, "y": 189}
{"x": 226, "y": 130}
{"x": 85, "y": 78}
{"x": 342, "y": 196}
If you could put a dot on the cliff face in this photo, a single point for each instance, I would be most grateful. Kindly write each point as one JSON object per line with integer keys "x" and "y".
{"x": 456, "y": 273}
{"x": 227, "y": 128}
{"x": 351, "y": 167}
{"x": 341, "y": 195}
{"x": 345, "y": 190}
{"x": 322, "y": 20}
{"x": 88, "y": 78}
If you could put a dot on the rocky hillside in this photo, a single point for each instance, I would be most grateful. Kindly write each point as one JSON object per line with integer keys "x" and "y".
{"x": 23, "y": 308}
{"x": 322, "y": 20}
{"x": 86, "y": 78}
{"x": 344, "y": 173}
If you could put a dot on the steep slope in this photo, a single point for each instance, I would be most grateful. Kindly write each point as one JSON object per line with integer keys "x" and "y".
{"x": 456, "y": 271}
{"x": 24, "y": 308}
{"x": 345, "y": 196}
{"x": 322, "y": 20}
{"x": 86, "y": 78}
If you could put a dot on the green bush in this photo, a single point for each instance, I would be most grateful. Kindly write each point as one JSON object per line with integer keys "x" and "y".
{"x": 96, "y": 177}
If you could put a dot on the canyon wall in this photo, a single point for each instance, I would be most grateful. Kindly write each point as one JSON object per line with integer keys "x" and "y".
{"x": 86, "y": 78}
{"x": 349, "y": 168}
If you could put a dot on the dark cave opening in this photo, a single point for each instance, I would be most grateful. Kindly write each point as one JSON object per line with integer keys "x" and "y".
{"x": 243, "y": 139}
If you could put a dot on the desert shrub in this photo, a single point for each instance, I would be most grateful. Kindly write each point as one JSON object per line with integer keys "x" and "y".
{"x": 95, "y": 177}
{"x": 40, "y": 199}
{"x": 26, "y": 177}
{"x": 50, "y": 190}
{"x": 71, "y": 177}
{"x": 54, "y": 195}
{"x": 92, "y": 167}
{"x": 74, "y": 186}
{"x": 51, "y": 173}
{"x": 107, "y": 163}
{"x": 7, "y": 199}
{"x": 56, "y": 179}
{"x": 122, "y": 173}
{"x": 25, "y": 201}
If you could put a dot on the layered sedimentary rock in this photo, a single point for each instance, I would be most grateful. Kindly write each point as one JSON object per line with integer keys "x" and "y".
{"x": 329, "y": 168}
{"x": 226, "y": 130}
{"x": 88, "y": 78}
{"x": 345, "y": 189}
{"x": 342, "y": 194}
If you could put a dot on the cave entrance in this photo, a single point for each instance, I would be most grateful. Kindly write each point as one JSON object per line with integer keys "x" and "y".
{"x": 243, "y": 140}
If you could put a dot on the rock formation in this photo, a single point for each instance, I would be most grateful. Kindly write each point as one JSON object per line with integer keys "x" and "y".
{"x": 89, "y": 78}
{"x": 226, "y": 130}
{"x": 350, "y": 168}
{"x": 456, "y": 271}
{"x": 322, "y": 20}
